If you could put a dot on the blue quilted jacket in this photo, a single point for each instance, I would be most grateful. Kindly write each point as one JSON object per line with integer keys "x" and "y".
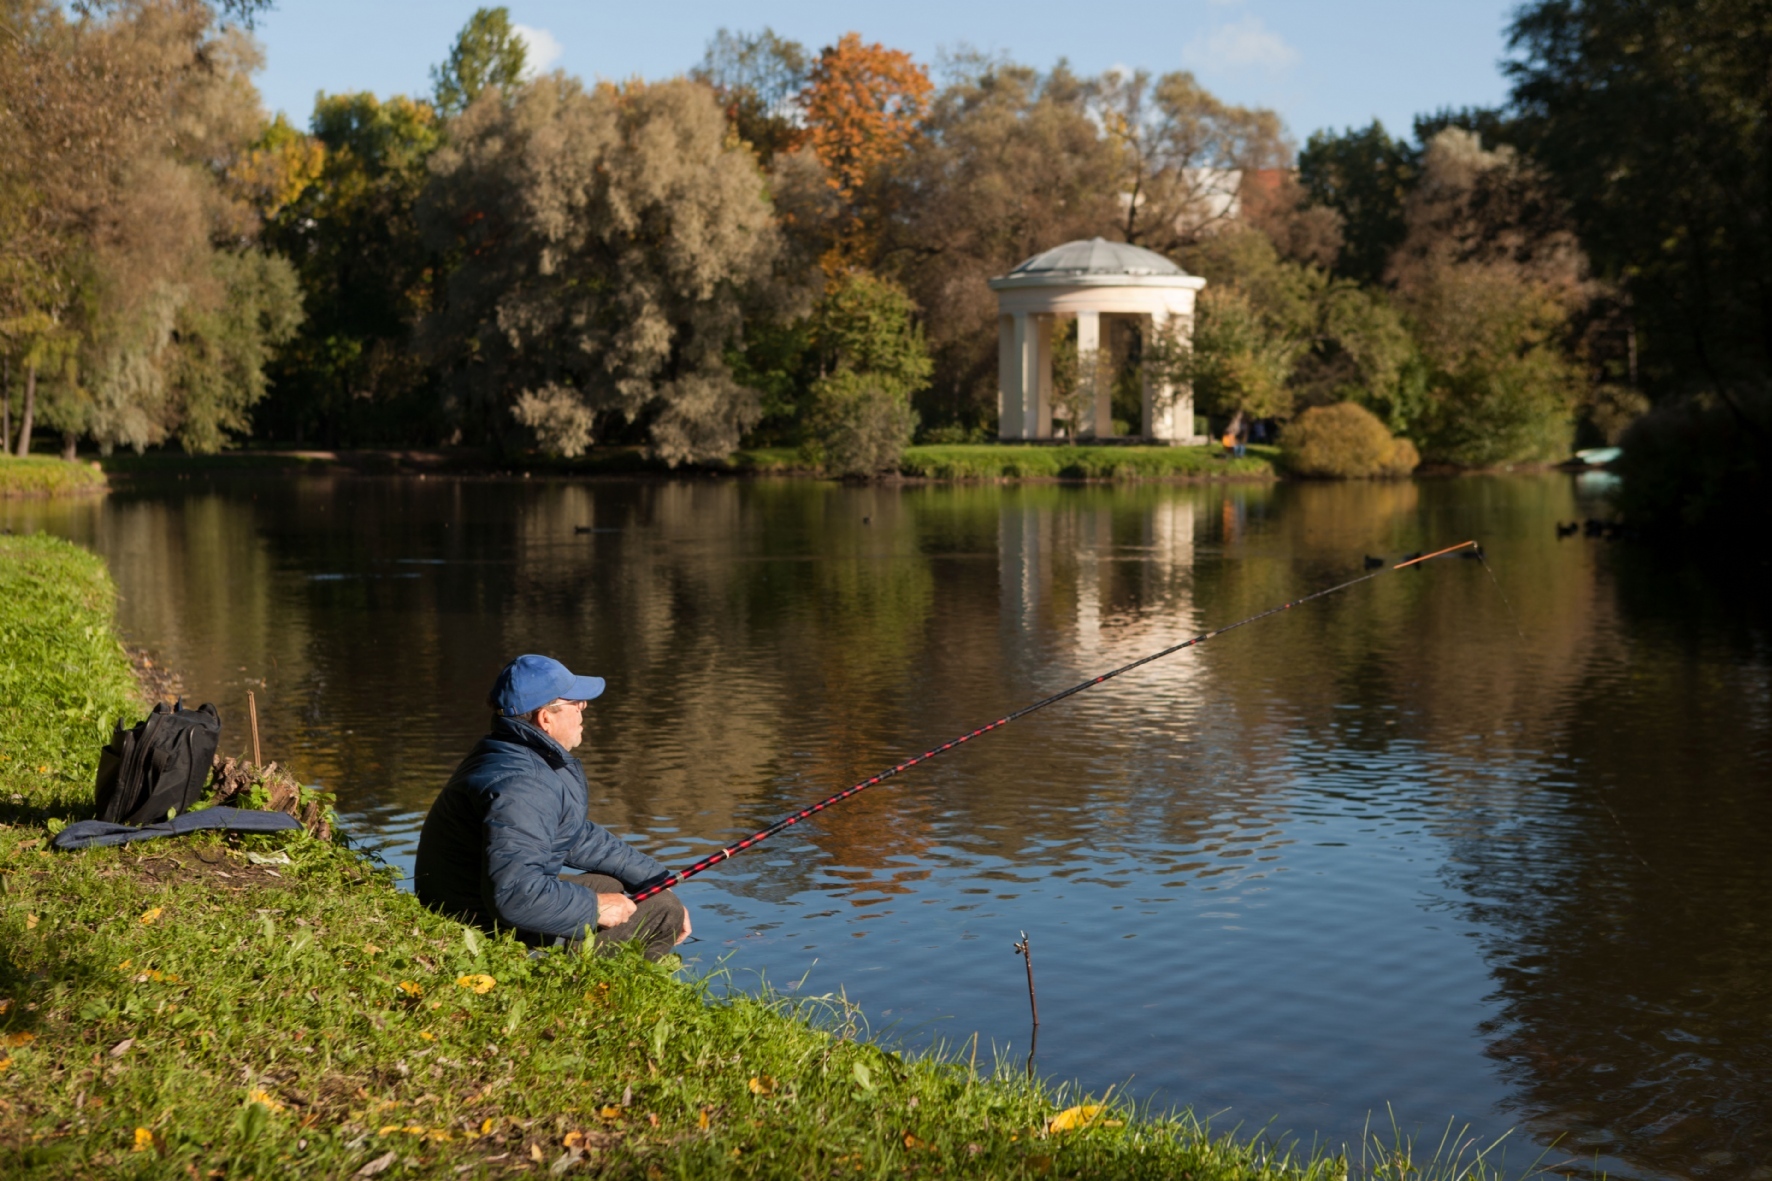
{"x": 510, "y": 820}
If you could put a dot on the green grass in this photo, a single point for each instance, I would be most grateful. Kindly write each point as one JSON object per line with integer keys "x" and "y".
{"x": 967, "y": 461}
{"x": 767, "y": 459}
{"x": 64, "y": 677}
{"x": 42, "y": 475}
{"x": 151, "y": 463}
{"x": 170, "y": 1010}
{"x": 1008, "y": 461}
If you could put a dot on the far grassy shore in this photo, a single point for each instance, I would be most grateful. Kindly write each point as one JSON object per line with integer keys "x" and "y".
{"x": 42, "y": 475}
{"x": 939, "y": 462}
{"x": 275, "y": 1007}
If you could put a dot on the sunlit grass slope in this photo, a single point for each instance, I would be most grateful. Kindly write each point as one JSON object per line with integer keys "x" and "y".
{"x": 41, "y": 475}
{"x": 276, "y": 1008}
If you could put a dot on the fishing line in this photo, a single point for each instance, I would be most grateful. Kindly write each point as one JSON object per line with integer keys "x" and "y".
{"x": 761, "y": 835}
{"x": 1512, "y": 618}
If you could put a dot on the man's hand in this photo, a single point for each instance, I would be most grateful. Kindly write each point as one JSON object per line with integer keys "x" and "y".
{"x": 686, "y": 927}
{"x": 614, "y": 909}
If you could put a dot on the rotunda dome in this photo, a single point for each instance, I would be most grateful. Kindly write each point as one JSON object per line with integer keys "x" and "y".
{"x": 1096, "y": 256}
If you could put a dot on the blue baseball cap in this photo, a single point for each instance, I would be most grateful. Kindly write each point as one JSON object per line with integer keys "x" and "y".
{"x": 530, "y": 682}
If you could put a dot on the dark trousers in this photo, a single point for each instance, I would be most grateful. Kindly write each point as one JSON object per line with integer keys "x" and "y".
{"x": 657, "y": 922}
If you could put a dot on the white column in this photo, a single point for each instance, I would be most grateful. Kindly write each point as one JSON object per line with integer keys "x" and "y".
{"x": 1021, "y": 376}
{"x": 1040, "y": 427}
{"x": 1159, "y": 399}
{"x": 1008, "y": 378}
{"x": 1098, "y": 419}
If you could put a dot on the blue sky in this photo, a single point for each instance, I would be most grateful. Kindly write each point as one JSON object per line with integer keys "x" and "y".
{"x": 1320, "y": 63}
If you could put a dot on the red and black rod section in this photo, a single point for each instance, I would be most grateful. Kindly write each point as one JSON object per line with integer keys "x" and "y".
{"x": 715, "y": 858}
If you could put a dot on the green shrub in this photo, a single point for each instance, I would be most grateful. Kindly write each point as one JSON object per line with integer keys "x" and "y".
{"x": 1345, "y": 442}
{"x": 859, "y": 426}
{"x": 41, "y": 475}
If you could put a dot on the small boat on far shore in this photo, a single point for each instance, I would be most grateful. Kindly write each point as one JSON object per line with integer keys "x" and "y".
{"x": 1593, "y": 457}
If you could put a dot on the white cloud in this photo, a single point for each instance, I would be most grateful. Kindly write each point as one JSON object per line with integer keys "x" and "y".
{"x": 542, "y": 48}
{"x": 1241, "y": 45}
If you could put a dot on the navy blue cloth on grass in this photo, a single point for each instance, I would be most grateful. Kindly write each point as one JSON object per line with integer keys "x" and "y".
{"x": 86, "y": 834}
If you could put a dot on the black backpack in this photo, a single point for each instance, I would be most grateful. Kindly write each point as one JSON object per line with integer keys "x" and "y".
{"x": 157, "y": 766}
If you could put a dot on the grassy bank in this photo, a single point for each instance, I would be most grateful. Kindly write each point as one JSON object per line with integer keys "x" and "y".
{"x": 990, "y": 461}
{"x": 41, "y": 475}
{"x": 273, "y": 1006}
{"x": 973, "y": 461}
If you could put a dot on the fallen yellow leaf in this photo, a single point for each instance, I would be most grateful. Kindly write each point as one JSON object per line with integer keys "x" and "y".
{"x": 260, "y": 1096}
{"x": 478, "y": 981}
{"x": 573, "y": 1140}
{"x": 6, "y": 1063}
{"x": 762, "y": 1085}
{"x": 30, "y": 922}
{"x": 372, "y": 949}
{"x": 18, "y": 1039}
{"x": 427, "y": 1035}
{"x": 124, "y": 966}
{"x": 701, "y": 1121}
{"x": 410, "y": 988}
{"x": 487, "y": 1125}
{"x": 911, "y": 1141}
{"x": 1074, "y": 1117}
{"x": 148, "y": 916}
{"x": 5, "y": 1005}
{"x": 609, "y": 1111}
{"x": 144, "y": 1140}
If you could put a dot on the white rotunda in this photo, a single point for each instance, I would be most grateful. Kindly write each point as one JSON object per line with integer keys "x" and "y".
{"x": 1100, "y": 284}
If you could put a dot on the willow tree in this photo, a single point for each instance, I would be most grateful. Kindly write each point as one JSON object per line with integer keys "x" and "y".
{"x": 606, "y": 244}
{"x": 132, "y": 287}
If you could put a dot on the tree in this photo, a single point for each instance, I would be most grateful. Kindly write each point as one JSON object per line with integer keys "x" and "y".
{"x": 125, "y": 121}
{"x": 758, "y": 79}
{"x": 1365, "y": 176}
{"x": 1488, "y": 288}
{"x": 1237, "y": 363}
{"x": 351, "y": 375}
{"x": 864, "y": 106}
{"x": 1012, "y": 163}
{"x": 1255, "y": 321}
{"x": 1184, "y": 153}
{"x": 840, "y": 380}
{"x": 1653, "y": 118}
{"x": 487, "y": 52}
{"x": 608, "y": 244}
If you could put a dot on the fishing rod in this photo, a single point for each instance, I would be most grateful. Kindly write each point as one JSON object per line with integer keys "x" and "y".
{"x": 715, "y": 858}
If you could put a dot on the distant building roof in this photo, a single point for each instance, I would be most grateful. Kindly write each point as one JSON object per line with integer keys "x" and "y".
{"x": 1097, "y": 256}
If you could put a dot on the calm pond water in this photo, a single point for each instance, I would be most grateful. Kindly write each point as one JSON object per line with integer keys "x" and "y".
{"x": 1472, "y": 845}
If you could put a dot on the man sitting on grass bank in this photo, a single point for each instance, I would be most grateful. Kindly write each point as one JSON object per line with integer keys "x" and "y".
{"x": 514, "y": 815}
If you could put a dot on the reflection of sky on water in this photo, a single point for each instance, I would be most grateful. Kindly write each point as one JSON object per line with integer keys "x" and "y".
{"x": 1314, "y": 867}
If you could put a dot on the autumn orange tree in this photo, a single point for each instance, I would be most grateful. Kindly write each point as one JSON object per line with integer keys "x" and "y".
{"x": 864, "y": 106}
